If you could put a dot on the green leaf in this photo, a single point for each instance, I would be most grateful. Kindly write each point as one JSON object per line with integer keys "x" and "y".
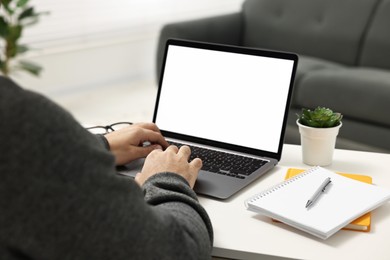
{"x": 3, "y": 28}
{"x": 31, "y": 21}
{"x": 6, "y": 2}
{"x": 29, "y": 12}
{"x": 14, "y": 32}
{"x": 30, "y": 67}
{"x": 7, "y": 8}
{"x": 22, "y": 3}
{"x": 21, "y": 48}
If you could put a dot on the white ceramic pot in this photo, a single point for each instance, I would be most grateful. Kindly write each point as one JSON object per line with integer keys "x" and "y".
{"x": 318, "y": 144}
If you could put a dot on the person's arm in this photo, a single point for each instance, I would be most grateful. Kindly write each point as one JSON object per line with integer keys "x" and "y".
{"x": 177, "y": 182}
{"x": 62, "y": 199}
{"x": 173, "y": 224}
{"x": 101, "y": 215}
{"x": 184, "y": 203}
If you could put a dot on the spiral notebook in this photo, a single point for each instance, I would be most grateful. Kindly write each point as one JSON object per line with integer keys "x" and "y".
{"x": 343, "y": 201}
{"x": 363, "y": 223}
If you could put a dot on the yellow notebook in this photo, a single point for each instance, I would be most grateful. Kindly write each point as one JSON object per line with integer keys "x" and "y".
{"x": 362, "y": 223}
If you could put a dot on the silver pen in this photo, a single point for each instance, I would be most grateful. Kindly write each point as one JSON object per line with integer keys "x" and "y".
{"x": 318, "y": 192}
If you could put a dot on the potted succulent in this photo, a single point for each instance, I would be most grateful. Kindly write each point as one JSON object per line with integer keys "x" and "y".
{"x": 318, "y": 129}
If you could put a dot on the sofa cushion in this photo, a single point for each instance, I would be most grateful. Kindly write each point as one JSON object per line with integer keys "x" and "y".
{"x": 358, "y": 93}
{"x": 329, "y": 29}
{"x": 307, "y": 64}
{"x": 376, "y": 46}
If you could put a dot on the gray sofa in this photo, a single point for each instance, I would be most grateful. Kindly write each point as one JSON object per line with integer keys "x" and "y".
{"x": 344, "y": 51}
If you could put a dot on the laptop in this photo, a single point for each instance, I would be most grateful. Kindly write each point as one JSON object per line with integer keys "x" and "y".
{"x": 230, "y": 105}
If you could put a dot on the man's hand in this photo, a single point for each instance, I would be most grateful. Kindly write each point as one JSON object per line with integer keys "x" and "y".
{"x": 171, "y": 160}
{"x": 127, "y": 144}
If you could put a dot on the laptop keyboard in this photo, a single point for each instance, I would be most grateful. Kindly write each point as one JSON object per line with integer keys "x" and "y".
{"x": 219, "y": 162}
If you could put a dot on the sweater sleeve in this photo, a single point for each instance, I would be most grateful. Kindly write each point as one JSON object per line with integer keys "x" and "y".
{"x": 103, "y": 140}
{"x": 176, "y": 190}
{"x": 62, "y": 199}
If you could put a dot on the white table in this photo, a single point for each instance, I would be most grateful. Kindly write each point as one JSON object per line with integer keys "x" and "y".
{"x": 241, "y": 234}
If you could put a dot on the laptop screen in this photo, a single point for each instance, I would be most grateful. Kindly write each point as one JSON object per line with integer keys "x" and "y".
{"x": 225, "y": 95}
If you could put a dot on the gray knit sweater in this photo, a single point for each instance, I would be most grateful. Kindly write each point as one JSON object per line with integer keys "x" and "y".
{"x": 60, "y": 197}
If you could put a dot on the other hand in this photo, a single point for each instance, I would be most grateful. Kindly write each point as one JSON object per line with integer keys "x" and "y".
{"x": 127, "y": 144}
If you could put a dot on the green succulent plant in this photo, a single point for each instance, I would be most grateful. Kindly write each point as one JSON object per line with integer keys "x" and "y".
{"x": 15, "y": 15}
{"x": 320, "y": 117}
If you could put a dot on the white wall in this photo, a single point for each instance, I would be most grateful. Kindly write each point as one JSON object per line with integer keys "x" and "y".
{"x": 113, "y": 46}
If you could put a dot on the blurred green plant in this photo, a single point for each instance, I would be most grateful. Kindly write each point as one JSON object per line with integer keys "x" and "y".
{"x": 15, "y": 15}
{"x": 320, "y": 117}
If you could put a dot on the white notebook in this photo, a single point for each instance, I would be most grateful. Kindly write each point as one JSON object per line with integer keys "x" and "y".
{"x": 343, "y": 201}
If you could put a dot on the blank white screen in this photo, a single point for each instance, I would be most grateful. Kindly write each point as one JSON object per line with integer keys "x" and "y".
{"x": 228, "y": 97}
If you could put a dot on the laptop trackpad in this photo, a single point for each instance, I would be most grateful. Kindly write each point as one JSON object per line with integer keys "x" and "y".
{"x": 217, "y": 186}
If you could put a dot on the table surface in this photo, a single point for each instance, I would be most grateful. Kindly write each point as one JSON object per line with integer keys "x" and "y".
{"x": 241, "y": 234}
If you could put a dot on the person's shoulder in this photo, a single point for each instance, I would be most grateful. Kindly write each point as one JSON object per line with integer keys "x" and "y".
{"x": 14, "y": 93}
{"x": 8, "y": 87}
{"x": 32, "y": 112}
{"x": 12, "y": 99}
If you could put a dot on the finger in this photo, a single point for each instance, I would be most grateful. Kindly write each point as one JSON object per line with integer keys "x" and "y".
{"x": 138, "y": 179}
{"x": 154, "y": 138}
{"x": 142, "y": 152}
{"x": 185, "y": 151}
{"x": 149, "y": 126}
{"x": 196, "y": 163}
{"x": 172, "y": 148}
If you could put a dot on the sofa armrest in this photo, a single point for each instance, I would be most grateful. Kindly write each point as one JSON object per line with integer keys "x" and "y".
{"x": 224, "y": 29}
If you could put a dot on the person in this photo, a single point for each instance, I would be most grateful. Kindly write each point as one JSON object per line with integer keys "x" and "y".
{"x": 60, "y": 196}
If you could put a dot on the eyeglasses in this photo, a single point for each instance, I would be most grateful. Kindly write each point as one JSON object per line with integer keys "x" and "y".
{"x": 108, "y": 128}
